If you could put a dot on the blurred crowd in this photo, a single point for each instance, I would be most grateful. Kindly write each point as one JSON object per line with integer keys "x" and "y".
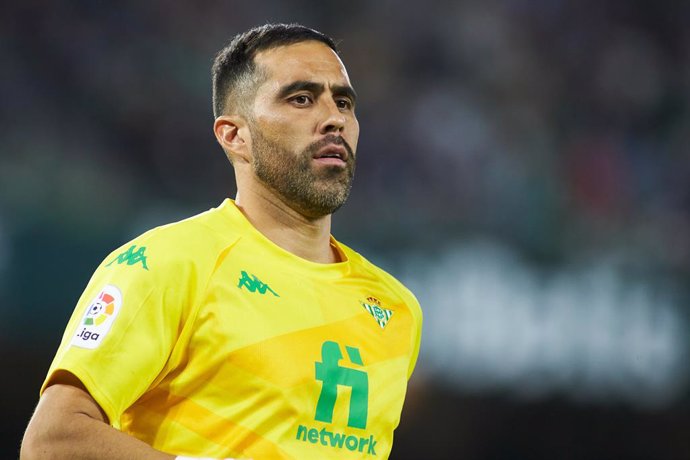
{"x": 561, "y": 127}
{"x": 557, "y": 129}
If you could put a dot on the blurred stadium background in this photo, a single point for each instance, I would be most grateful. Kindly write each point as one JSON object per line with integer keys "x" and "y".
{"x": 524, "y": 166}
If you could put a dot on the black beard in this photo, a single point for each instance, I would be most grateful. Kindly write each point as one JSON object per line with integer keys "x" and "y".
{"x": 312, "y": 193}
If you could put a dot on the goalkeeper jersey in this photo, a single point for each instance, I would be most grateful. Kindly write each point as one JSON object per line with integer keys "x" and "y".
{"x": 204, "y": 338}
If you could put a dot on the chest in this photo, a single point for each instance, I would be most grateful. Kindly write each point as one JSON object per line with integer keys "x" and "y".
{"x": 326, "y": 349}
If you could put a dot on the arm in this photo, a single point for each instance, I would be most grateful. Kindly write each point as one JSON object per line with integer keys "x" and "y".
{"x": 68, "y": 423}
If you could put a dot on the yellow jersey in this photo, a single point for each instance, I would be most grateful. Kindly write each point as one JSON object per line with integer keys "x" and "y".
{"x": 204, "y": 338}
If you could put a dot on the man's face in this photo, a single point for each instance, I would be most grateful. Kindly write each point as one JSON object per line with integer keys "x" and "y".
{"x": 303, "y": 127}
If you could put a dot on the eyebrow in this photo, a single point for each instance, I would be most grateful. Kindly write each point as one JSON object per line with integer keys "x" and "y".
{"x": 316, "y": 89}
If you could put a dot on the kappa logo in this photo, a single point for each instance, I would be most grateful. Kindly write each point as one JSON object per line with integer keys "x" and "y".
{"x": 98, "y": 318}
{"x": 130, "y": 257}
{"x": 254, "y": 284}
{"x": 380, "y": 314}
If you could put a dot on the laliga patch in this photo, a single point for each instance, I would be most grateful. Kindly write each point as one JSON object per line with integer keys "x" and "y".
{"x": 98, "y": 318}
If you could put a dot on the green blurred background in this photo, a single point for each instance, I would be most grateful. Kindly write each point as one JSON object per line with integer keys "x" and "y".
{"x": 524, "y": 166}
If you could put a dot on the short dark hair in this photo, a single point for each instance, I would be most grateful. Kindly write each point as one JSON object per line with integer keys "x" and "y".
{"x": 234, "y": 64}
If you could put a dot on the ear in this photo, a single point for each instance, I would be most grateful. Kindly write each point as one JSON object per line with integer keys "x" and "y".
{"x": 232, "y": 133}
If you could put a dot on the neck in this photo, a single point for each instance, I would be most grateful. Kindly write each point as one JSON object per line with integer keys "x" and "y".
{"x": 287, "y": 228}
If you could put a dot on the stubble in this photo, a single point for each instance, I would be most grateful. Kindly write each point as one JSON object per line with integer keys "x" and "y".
{"x": 313, "y": 192}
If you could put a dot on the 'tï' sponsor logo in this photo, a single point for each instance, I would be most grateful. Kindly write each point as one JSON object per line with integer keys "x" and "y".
{"x": 334, "y": 376}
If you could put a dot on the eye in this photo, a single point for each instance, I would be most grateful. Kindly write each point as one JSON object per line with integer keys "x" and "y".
{"x": 344, "y": 103}
{"x": 301, "y": 100}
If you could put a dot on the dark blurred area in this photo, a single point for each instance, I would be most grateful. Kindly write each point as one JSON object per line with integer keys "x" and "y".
{"x": 524, "y": 166}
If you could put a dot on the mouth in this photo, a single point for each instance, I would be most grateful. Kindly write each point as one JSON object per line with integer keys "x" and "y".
{"x": 332, "y": 154}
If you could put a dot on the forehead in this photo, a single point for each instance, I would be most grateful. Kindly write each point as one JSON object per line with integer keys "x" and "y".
{"x": 308, "y": 61}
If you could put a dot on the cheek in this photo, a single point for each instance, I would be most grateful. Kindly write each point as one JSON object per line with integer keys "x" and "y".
{"x": 288, "y": 132}
{"x": 353, "y": 135}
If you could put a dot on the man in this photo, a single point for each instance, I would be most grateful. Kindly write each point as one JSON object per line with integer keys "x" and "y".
{"x": 247, "y": 331}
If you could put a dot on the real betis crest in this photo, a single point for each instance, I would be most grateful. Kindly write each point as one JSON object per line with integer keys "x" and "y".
{"x": 381, "y": 315}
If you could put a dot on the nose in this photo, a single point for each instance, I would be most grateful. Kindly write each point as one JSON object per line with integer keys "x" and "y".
{"x": 333, "y": 121}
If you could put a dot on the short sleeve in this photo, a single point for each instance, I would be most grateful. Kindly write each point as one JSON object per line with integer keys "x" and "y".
{"x": 125, "y": 325}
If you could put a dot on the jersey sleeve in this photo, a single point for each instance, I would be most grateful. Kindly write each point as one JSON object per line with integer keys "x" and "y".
{"x": 126, "y": 324}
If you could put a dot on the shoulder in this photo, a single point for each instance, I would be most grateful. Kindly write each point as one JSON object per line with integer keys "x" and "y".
{"x": 367, "y": 269}
{"x": 375, "y": 272}
{"x": 197, "y": 240}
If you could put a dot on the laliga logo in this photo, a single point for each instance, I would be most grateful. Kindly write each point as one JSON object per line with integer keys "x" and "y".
{"x": 99, "y": 311}
{"x": 98, "y": 317}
